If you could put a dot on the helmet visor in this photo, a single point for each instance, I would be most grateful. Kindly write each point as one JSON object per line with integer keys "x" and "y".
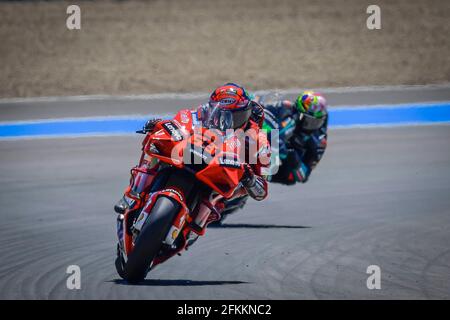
{"x": 309, "y": 122}
{"x": 223, "y": 119}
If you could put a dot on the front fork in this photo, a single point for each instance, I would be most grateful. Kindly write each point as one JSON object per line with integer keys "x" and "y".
{"x": 136, "y": 193}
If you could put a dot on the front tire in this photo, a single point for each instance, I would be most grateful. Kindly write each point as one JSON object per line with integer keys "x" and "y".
{"x": 149, "y": 240}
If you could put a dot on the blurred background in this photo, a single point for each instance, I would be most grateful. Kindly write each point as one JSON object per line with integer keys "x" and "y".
{"x": 138, "y": 47}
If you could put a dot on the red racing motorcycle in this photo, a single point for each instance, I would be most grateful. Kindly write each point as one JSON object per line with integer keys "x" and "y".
{"x": 190, "y": 171}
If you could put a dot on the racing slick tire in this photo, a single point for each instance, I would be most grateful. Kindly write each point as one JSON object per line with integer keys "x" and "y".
{"x": 150, "y": 239}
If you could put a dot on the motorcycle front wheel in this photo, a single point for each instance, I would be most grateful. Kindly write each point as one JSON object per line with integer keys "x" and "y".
{"x": 150, "y": 239}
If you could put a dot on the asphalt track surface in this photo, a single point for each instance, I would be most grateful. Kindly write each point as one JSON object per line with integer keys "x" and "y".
{"x": 379, "y": 197}
{"x": 165, "y": 104}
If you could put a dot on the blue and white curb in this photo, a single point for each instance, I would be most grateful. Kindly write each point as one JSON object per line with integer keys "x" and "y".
{"x": 340, "y": 117}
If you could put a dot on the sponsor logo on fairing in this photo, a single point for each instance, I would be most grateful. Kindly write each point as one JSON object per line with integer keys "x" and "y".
{"x": 177, "y": 123}
{"x": 198, "y": 153}
{"x": 140, "y": 221}
{"x": 229, "y": 162}
{"x": 269, "y": 117}
{"x": 175, "y": 192}
{"x": 153, "y": 149}
{"x": 194, "y": 118}
{"x": 172, "y": 129}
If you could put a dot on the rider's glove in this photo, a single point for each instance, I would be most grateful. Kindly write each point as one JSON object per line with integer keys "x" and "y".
{"x": 150, "y": 125}
{"x": 255, "y": 185}
{"x": 257, "y": 113}
{"x": 302, "y": 173}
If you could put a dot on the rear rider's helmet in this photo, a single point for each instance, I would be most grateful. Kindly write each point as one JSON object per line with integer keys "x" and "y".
{"x": 312, "y": 108}
{"x": 229, "y": 107}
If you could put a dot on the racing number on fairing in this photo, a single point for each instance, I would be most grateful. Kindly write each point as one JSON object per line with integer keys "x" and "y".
{"x": 208, "y": 141}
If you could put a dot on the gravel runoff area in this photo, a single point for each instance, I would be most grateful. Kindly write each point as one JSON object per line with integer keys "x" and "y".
{"x": 138, "y": 47}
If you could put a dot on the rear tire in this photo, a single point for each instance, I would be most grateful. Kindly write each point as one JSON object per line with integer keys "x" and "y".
{"x": 149, "y": 240}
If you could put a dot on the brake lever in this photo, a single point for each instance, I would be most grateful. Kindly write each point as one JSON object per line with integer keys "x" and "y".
{"x": 142, "y": 131}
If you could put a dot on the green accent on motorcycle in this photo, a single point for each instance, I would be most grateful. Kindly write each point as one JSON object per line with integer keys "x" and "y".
{"x": 267, "y": 127}
{"x": 288, "y": 126}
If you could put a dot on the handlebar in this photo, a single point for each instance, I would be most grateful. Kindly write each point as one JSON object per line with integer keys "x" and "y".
{"x": 142, "y": 131}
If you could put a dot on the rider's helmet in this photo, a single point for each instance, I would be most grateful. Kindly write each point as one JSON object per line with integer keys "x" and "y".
{"x": 229, "y": 107}
{"x": 312, "y": 108}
